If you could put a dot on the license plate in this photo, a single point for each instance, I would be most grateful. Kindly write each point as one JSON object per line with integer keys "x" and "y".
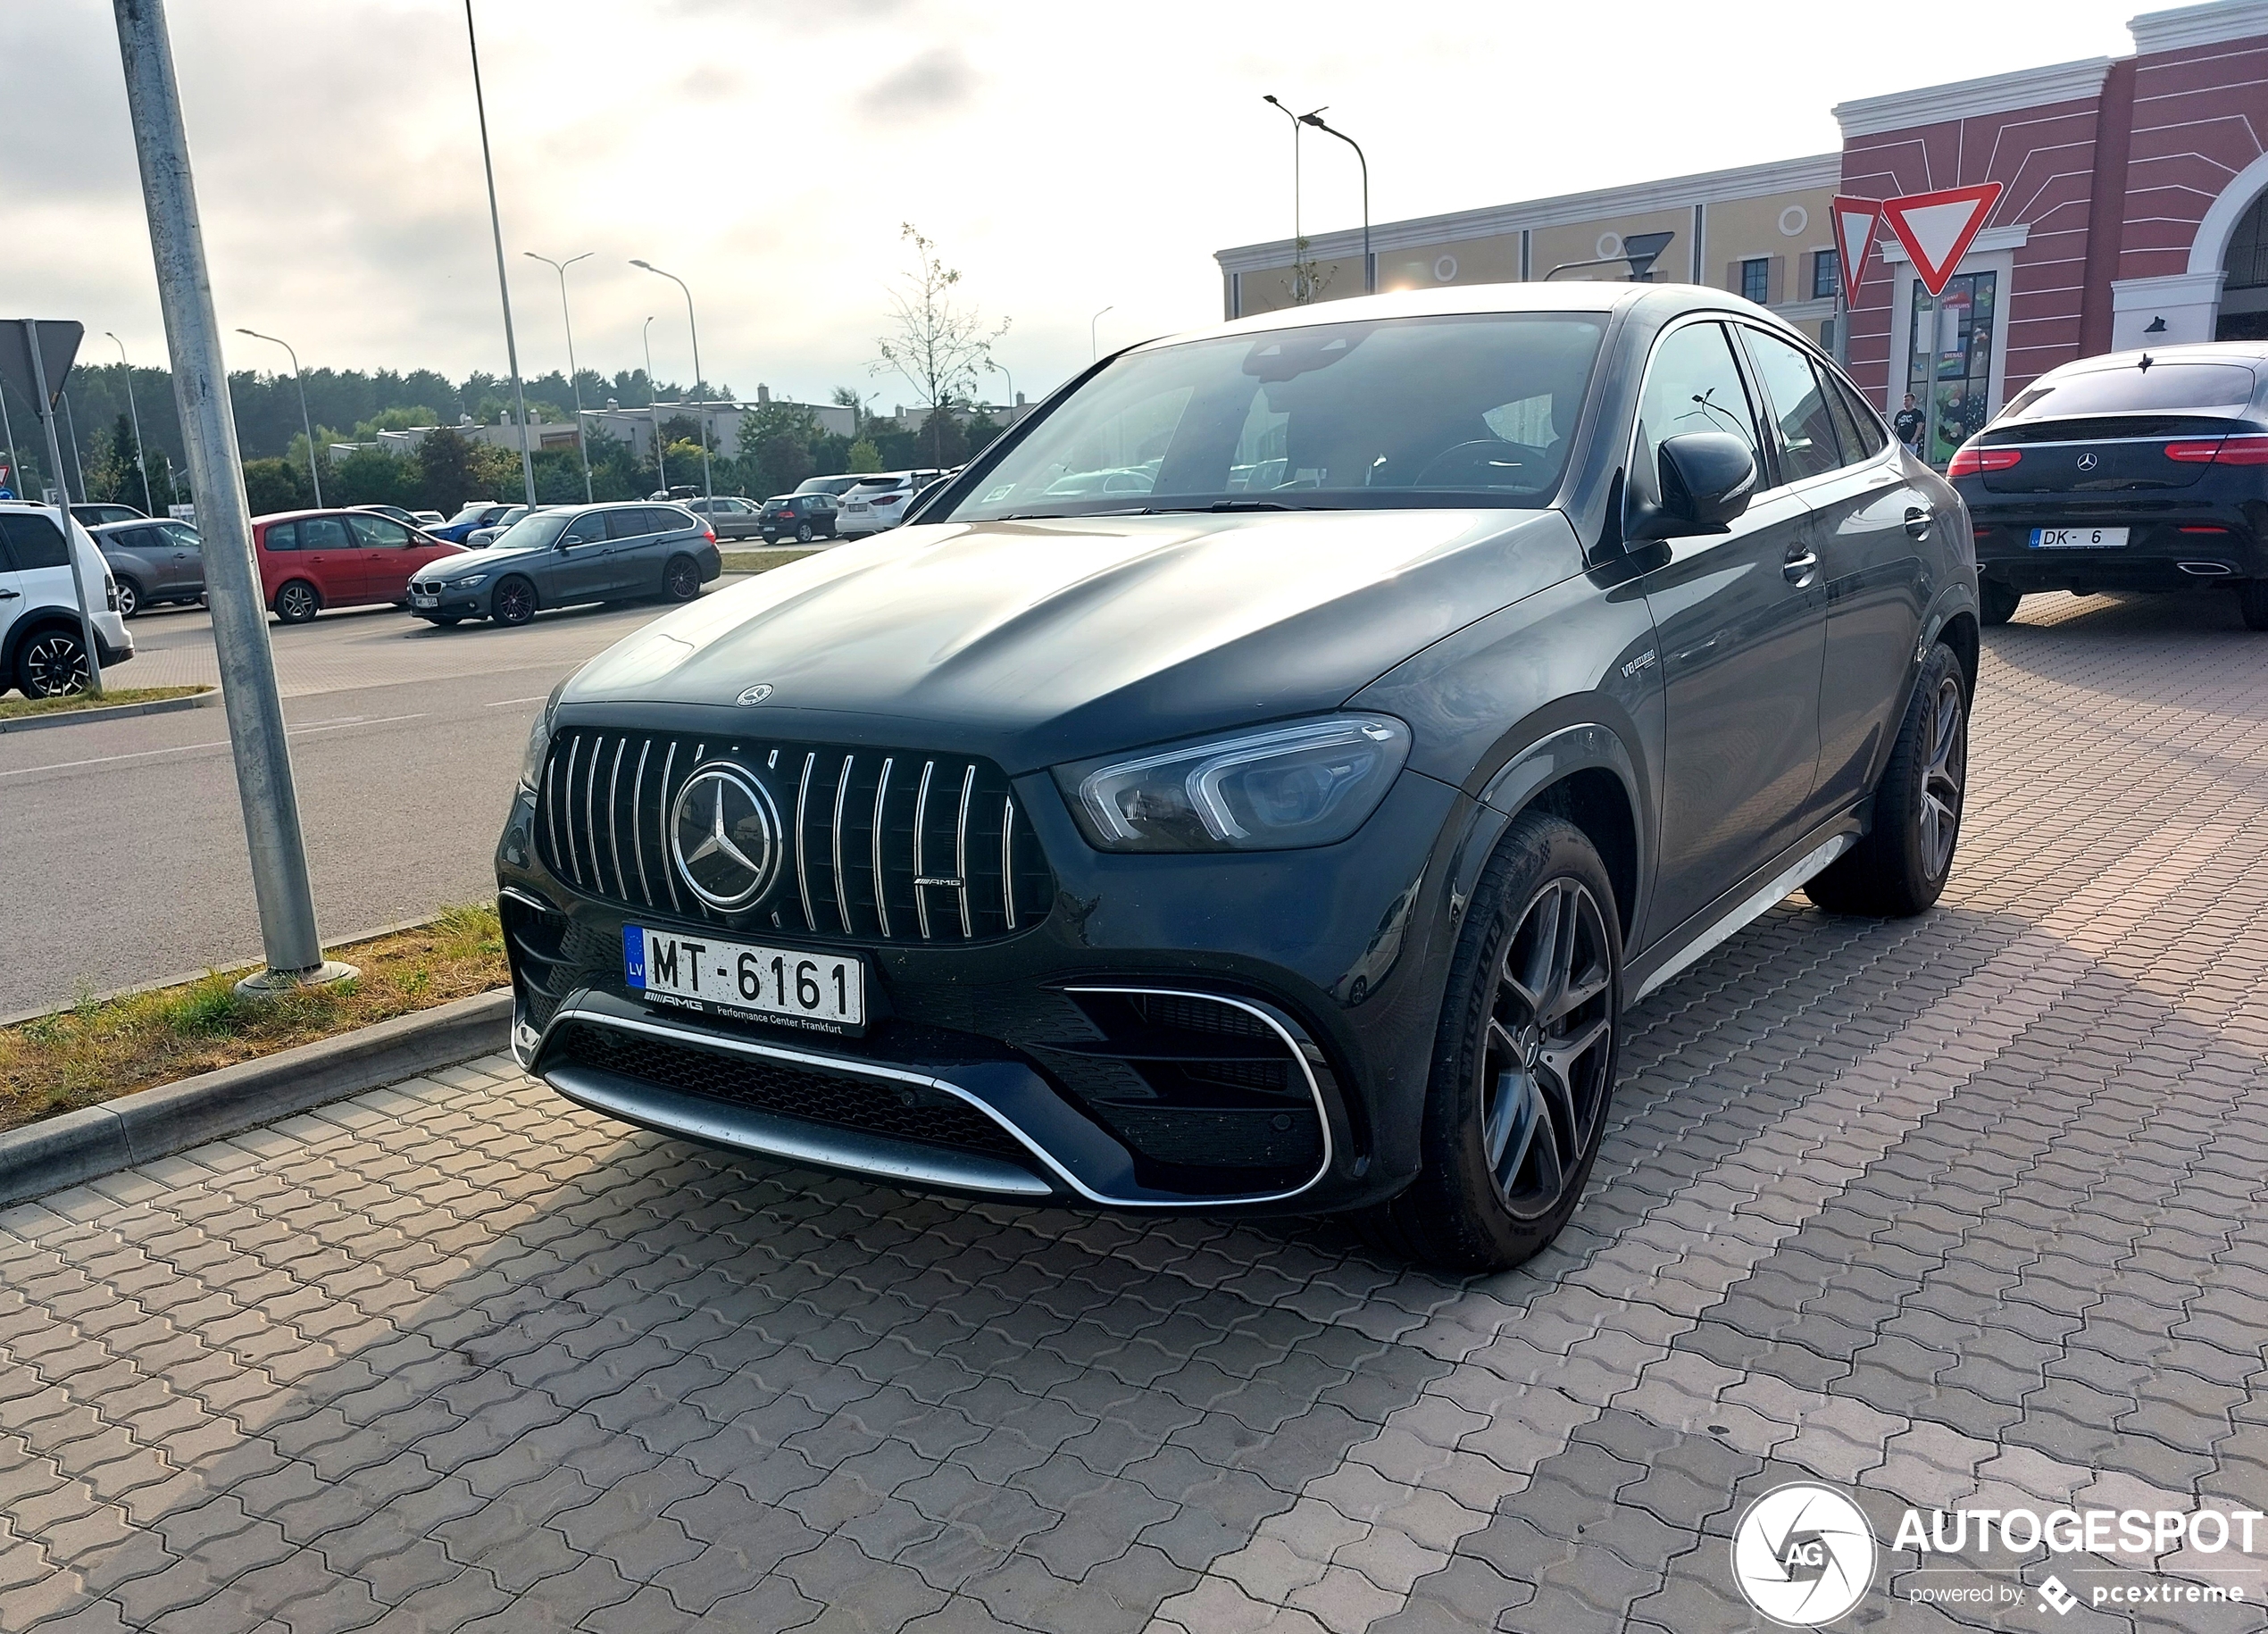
{"x": 425, "y": 601}
{"x": 825, "y": 991}
{"x": 2078, "y": 539}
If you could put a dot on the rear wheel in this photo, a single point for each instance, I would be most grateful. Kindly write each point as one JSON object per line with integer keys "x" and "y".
{"x": 2252, "y": 598}
{"x": 514, "y": 601}
{"x": 1524, "y": 1063}
{"x": 296, "y": 602}
{"x": 1996, "y": 603}
{"x": 804, "y": 534}
{"x": 129, "y": 599}
{"x": 681, "y": 579}
{"x": 53, "y": 664}
{"x": 1902, "y": 864}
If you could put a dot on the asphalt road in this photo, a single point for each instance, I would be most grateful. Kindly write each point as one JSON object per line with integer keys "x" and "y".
{"x": 126, "y": 862}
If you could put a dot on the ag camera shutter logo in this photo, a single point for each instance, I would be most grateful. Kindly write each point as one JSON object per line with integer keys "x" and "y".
{"x": 1804, "y": 1554}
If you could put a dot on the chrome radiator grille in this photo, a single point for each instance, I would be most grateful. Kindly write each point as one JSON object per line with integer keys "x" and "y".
{"x": 893, "y": 844}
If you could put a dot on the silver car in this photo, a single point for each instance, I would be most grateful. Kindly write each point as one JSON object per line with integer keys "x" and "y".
{"x": 155, "y": 561}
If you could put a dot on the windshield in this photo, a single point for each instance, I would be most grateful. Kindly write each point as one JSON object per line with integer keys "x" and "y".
{"x": 2201, "y": 389}
{"x": 1455, "y": 411}
{"x": 532, "y": 532}
{"x": 471, "y": 513}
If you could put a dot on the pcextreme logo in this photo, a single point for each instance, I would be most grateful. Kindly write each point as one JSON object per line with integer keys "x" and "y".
{"x": 1803, "y": 1555}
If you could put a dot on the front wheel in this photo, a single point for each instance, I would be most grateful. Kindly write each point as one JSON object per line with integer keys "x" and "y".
{"x": 1996, "y": 603}
{"x": 681, "y": 579}
{"x": 296, "y": 602}
{"x": 2252, "y": 599}
{"x": 52, "y": 664}
{"x": 1901, "y": 866}
{"x": 514, "y": 601}
{"x": 448, "y": 620}
{"x": 1524, "y": 1062}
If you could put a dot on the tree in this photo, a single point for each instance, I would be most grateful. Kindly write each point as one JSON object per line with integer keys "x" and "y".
{"x": 851, "y": 398}
{"x": 275, "y": 485}
{"x": 110, "y": 476}
{"x": 938, "y": 345}
{"x": 445, "y": 478}
{"x": 864, "y": 456}
{"x": 776, "y": 448}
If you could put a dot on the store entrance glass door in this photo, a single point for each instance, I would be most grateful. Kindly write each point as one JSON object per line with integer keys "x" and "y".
{"x": 1957, "y": 339}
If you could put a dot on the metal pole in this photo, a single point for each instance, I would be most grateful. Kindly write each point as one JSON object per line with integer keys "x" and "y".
{"x": 573, "y": 385}
{"x": 46, "y": 409}
{"x": 70, "y": 422}
{"x": 262, "y": 756}
{"x": 504, "y": 285}
{"x": 135, "y": 414}
{"x": 1094, "y": 345}
{"x": 1370, "y": 268}
{"x": 654, "y": 408}
{"x": 700, "y": 400}
{"x": 1929, "y": 386}
{"x": 1002, "y": 368}
{"x": 306, "y": 425}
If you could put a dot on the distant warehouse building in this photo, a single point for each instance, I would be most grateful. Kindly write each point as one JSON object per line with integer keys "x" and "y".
{"x": 2132, "y": 212}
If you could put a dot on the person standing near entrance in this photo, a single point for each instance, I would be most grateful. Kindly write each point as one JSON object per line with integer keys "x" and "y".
{"x": 1908, "y": 423}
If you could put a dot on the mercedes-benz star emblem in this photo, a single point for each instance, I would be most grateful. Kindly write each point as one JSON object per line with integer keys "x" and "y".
{"x": 757, "y": 694}
{"x": 724, "y": 836}
{"x": 2086, "y": 462}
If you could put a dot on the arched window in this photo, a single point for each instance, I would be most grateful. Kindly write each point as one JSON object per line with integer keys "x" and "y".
{"x": 2244, "y": 296}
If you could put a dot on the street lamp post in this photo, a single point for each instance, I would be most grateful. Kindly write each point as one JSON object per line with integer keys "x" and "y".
{"x": 504, "y": 284}
{"x": 71, "y": 421}
{"x": 654, "y": 408}
{"x": 306, "y": 425}
{"x": 1094, "y": 345}
{"x": 135, "y": 414}
{"x": 994, "y": 363}
{"x": 573, "y": 385}
{"x": 1302, "y": 289}
{"x": 1370, "y": 268}
{"x": 700, "y": 405}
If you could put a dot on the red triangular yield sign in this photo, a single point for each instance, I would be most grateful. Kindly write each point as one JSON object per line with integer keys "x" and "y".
{"x": 1855, "y": 221}
{"x": 1937, "y": 228}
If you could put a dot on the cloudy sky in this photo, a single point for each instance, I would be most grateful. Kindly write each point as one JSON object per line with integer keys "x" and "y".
{"x": 1066, "y": 156}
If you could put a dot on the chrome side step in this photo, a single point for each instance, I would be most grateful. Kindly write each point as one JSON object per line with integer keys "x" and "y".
{"x": 791, "y": 1141}
{"x": 1810, "y": 866}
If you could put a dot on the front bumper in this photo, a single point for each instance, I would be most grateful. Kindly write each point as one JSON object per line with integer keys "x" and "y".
{"x": 453, "y": 603}
{"x": 999, "y": 1069}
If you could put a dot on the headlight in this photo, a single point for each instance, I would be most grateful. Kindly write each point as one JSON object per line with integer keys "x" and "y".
{"x": 1311, "y": 783}
{"x": 531, "y": 761}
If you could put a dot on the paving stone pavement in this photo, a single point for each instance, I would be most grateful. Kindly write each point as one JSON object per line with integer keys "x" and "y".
{"x": 1966, "y": 1209}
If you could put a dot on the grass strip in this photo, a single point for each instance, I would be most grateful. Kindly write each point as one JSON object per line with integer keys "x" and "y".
{"x": 101, "y": 1049}
{"x": 762, "y": 561}
{"x": 12, "y": 709}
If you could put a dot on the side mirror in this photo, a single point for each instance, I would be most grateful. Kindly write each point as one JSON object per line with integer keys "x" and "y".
{"x": 1706, "y": 480}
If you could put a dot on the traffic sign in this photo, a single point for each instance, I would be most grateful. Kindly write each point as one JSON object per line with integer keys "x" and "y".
{"x": 58, "y": 341}
{"x": 1937, "y": 227}
{"x": 1855, "y": 219}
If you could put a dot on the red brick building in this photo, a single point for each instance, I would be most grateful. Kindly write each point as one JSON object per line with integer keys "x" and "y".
{"x": 2132, "y": 210}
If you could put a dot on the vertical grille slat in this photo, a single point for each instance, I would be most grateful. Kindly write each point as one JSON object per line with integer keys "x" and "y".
{"x": 961, "y": 849}
{"x": 596, "y": 782}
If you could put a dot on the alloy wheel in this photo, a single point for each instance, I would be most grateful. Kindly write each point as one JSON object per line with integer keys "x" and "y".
{"x": 130, "y": 600}
{"x": 1945, "y": 775}
{"x": 515, "y": 602}
{"x": 54, "y": 664}
{"x": 684, "y": 581}
{"x": 1549, "y": 1042}
{"x": 294, "y": 603}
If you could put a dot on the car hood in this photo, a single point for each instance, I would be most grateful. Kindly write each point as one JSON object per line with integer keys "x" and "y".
{"x": 1035, "y": 642}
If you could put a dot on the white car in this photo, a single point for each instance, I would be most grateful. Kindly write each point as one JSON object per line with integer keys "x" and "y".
{"x": 42, "y": 652}
{"x": 878, "y": 501}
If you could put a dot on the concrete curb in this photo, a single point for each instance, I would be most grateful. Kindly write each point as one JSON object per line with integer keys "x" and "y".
{"x": 158, "y": 1122}
{"x": 208, "y": 700}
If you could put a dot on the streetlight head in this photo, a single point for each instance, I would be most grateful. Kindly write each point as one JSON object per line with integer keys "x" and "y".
{"x": 1269, "y": 96}
{"x": 647, "y": 264}
{"x": 1315, "y": 119}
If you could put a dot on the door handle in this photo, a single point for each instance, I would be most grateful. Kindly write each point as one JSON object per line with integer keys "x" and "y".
{"x": 1796, "y": 568}
{"x": 1918, "y": 519}
{"x": 9, "y": 595}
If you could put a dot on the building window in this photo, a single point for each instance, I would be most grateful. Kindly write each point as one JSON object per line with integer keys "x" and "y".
{"x": 1826, "y": 269}
{"x": 1755, "y": 279}
{"x": 1957, "y": 339}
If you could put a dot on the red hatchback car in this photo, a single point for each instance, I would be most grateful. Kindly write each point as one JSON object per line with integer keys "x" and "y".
{"x": 311, "y": 560}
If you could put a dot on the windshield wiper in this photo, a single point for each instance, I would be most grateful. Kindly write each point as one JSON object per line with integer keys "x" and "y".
{"x": 1235, "y": 504}
{"x": 1067, "y": 516}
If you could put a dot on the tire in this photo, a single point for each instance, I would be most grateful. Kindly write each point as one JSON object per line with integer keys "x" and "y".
{"x": 1901, "y": 866}
{"x": 804, "y": 534}
{"x": 513, "y": 602}
{"x": 298, "y": 602}
{"x": 1529, "y": 1039}
{"x": 448, "y": 620}
{"x": 2252, "y": 599}
{"x": 52, "y": 663}
{"x": 681, "y": 579}
{"x": 130, "y": 599}
{"x": 1996, "y": 603}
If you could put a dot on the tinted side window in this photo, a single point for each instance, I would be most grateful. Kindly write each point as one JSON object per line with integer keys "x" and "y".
{"x": 592, "y": 527}
{"x": 1692, "y": 384}
{"x": 280, "y": 535}
{"x": 1855, "y": 427}
{"x": 33, "y": 540}
{"x": 324, "y": 533}
{"x": 628, "y": 523}
{"x": 1799, "y": 405}
{"x": 665, "y": 520}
